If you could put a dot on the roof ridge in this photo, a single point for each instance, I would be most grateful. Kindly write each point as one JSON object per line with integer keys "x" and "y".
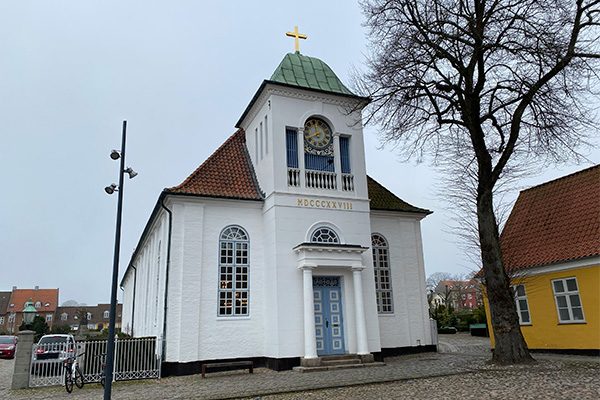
{"x": 212, "y": 156}
{"x": 227, "y": 173}
{"x": 381, "y": 198}
{"x": 585, "y": 170}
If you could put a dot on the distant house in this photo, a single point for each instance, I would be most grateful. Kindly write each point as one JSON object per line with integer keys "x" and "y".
{"x": 460, "y": 294}
{"x": 45, "y": 302}
{"x": 91, "y": 317}
{"x": 551, "y": 250}
{"x": 4, "y": 301}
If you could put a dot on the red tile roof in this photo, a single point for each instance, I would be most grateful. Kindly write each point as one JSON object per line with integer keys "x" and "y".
{"x": 227, "y": 173}
{"x": 47, "y": 297}
{"x": 554, "y": 222}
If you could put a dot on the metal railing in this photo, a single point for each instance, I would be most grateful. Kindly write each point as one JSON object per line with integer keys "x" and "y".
{"x": 135, "y": 358}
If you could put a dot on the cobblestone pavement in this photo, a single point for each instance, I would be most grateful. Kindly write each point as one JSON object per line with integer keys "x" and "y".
{"x": 458, "y": 373}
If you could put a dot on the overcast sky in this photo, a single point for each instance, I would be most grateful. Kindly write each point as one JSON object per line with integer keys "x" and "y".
{"x": 180, "y": 73}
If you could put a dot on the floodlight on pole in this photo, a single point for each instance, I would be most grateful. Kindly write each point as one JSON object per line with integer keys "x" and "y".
{"x": 132, "y": 174}
{"x": 110, "y": 347}
{"x": 111, "y": 189}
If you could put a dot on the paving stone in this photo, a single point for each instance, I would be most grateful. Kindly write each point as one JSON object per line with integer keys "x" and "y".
{"x": 465, "y": 374}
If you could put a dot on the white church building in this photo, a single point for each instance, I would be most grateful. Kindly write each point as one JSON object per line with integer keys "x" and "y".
{"x": 279, "y": 248}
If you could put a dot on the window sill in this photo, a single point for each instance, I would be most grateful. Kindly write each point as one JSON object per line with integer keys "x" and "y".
{"x": 386, "y": 315}
{"x": 233, "y": 318}
{"x": 572, "y": 323}
{"x": 526, "y": 324}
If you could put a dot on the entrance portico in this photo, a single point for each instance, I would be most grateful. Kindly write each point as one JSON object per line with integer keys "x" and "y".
{"x": 332, "y": 260}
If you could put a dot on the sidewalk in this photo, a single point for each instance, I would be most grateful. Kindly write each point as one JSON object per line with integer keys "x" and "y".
{"x": 428, "y": 372}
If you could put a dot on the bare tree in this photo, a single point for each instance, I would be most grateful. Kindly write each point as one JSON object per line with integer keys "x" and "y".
{"x": 484, "y": 85}
{"x": 433, "y": 286}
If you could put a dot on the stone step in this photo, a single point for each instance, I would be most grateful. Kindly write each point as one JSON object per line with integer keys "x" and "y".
{"x": 336, "y": 367}
{"x": 340, "y": 357}
{"x": 345, "y": 361}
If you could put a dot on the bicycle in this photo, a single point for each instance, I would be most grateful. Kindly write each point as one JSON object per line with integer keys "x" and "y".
{"x": 73, "y": 373}
{"x": 102, "y": 367}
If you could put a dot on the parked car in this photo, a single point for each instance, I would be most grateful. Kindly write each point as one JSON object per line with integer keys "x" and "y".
{"x": 8, "y": 346}
{"x": 55, "y": 347}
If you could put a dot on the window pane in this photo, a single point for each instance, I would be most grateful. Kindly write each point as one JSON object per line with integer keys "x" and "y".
{"x": 564, "y": 314}
{"x": 577, "y": 313}
{"x": 562, "y": 301}
{"x": 571, "y": 285}
{"x": 575, "y": 300}
{"x": 520, "y": 290}
{"x": 525, "y": 317}
{"x": 523, "y": 305}
{"x": 345, "y": 154}
{"x": 558, "y": 287}
{"x": 291, "y": 139}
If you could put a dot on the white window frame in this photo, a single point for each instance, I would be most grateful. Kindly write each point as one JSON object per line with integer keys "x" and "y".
{"x": 520, "y": 312}
{"x": 48, "y": 317}
{"x": 64, "y": 316}
{"x": 2, "y": 320}
{"x": 106, "y": 314}
{"x": 11, "y": 318}
{"x": 236, "y": 239}
{"x": 381, "y": 267}
{"x": 567, "y": 295}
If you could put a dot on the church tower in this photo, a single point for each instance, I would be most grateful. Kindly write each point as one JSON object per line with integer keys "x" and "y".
{"x": 322, "y": 150}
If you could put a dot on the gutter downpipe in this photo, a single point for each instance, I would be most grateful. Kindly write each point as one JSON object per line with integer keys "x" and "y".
{"x": 164, "y": 333}
{"x": 133, "y": 307}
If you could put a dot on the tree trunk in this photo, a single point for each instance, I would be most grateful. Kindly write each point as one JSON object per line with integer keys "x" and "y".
{"x": 510, "y": 346}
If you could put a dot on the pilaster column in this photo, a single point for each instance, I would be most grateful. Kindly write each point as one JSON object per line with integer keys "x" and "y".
{"x": 337, "y": 161}
{"x": 310, "y": 336}
{"x": 359, "y": 310}
{"x": 301, "y": 158}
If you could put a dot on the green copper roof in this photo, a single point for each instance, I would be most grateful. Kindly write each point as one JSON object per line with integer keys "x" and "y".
{"x": 308, "y": 72}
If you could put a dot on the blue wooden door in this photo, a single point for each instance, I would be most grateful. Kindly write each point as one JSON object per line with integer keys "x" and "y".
{"x": 329, "y": 328}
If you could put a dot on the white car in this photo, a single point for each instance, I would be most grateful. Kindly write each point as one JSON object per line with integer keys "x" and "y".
{"x": 57, "y": 347}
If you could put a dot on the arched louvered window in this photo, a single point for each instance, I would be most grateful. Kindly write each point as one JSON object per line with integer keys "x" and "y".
{"x": 383, "y": 276}
{"x": 324, "y": 235}
{"x": 234, "y": 264}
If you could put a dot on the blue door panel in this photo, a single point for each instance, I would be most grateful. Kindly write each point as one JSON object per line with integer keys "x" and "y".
{"x": 328, "y": 316}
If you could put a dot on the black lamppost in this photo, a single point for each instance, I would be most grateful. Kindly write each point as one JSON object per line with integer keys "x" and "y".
{"x": 110, "y": 348}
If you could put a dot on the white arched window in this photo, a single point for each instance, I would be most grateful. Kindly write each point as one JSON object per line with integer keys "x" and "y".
{"x": 106, "y": 314}
{"x": 324, "y": 235}
{"x": 234, "y": 265}
{"x": 383, "y": 276}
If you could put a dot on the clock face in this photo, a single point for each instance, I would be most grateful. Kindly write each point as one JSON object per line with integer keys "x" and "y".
{"x": 317, "y": 134}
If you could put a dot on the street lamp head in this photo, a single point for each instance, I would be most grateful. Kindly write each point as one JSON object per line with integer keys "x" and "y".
{"x": 132, "y": 174}
{"x": 115, "y": 154}
{"x": 111, "y": 189}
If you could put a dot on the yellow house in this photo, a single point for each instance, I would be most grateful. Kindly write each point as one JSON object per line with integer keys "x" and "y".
{"x": 551, "y": 251}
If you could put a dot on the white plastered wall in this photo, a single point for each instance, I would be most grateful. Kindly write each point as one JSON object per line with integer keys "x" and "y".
{"x": 408, "y": 325}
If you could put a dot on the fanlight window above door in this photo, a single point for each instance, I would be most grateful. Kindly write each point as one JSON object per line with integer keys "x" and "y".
{"x": 324, "y": 235}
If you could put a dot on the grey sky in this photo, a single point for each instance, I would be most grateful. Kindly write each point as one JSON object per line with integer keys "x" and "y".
{"x": 180, "y": 73}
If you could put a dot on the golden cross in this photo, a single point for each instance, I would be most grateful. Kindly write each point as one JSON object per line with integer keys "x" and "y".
{"x": 296, "y": 36}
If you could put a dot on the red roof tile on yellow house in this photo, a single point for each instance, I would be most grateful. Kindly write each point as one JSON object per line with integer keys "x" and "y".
{"x": 554, "y": 222}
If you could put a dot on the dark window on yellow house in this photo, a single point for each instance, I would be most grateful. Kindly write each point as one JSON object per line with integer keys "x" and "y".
{"x": 522, "y": 304}
{"x": 568, "y": 302}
